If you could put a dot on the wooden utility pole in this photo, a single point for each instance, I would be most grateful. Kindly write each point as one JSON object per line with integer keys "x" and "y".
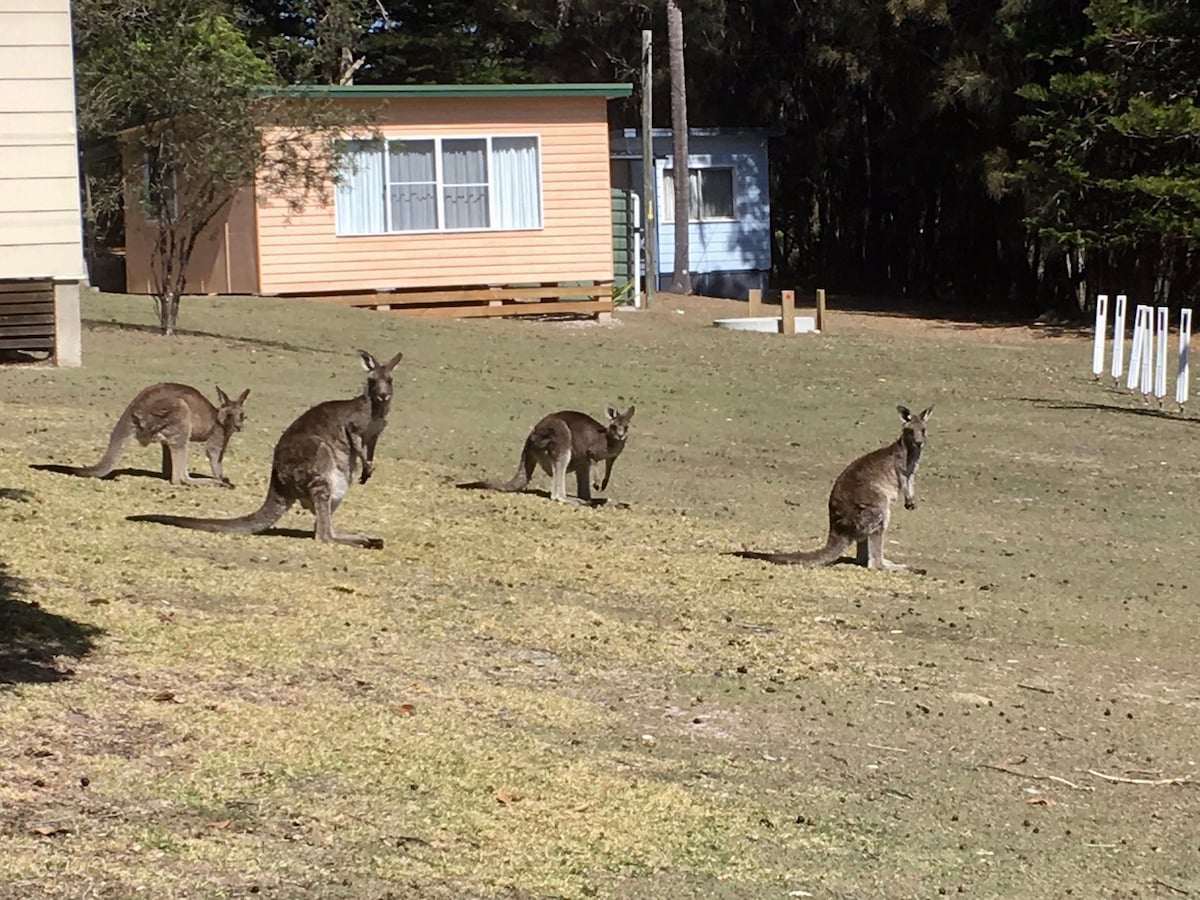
{"x": 649, "y": 216}
{"x": 681, "y": 278}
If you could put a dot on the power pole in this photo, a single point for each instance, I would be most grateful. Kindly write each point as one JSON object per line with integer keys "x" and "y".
{"x": 649, "y": 216}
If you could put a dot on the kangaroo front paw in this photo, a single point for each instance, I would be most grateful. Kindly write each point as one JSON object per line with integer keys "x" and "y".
{"x": 910, "y": 504}
{"x": 226, "y": 483}
{"x": 368, "y": 470}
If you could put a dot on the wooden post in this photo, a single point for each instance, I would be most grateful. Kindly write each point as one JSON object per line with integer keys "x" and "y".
{"x": 754, "y": 307}
{"x": 820, "y": 322}
{"x": 789, "y": 311}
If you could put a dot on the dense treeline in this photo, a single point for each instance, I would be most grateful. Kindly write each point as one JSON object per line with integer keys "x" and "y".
{"x": 1007, "y": 154}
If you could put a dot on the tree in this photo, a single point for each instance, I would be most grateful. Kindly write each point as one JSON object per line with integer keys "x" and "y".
{"x": 681, "y": 280}
{"x": 196, "y": 108}
{"x": 1111, "y": 170}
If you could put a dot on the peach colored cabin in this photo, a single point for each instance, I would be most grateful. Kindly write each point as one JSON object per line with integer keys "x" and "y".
{"x": 478, "y": 200}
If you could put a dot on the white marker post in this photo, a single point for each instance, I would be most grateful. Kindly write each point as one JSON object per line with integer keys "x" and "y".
{"x": 1135, "y": 347}
{"x": 1185, "y": 337}
{"x": 1118, "y": 339}
{"x": 1099, "y": 334}
{"x": 1160, "y": 369}
{"x": 1147, "y": 380}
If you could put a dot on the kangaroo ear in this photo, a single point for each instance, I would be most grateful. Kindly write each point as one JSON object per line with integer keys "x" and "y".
{"x": 395, "y": 359}
{"x": 926, "y": 413}
{"x": 905, "y": 414}
{"x": 610, "y": 411}
{"x": 629, "y": 412}
{"x": 222, "y": 396}
{"x": 368, "y": 361}
{"x": 242, "y": 398}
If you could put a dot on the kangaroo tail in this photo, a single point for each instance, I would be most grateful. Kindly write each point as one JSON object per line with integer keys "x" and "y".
{"x": 121, "y": 434}
{"x": 517, "y": 483}
{"x": 834, "y": 546}
{"x": 272, "y": 509}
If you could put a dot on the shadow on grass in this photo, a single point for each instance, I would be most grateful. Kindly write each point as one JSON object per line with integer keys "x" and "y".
{"x": 60, "y": 469}
{"x": 32, "y": 640}
{"x": 1147, "y": 411}
{"x": 539, "y": 492}
{"x": 113, "y": 325}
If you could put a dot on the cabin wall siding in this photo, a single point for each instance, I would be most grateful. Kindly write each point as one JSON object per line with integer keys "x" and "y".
{"x": 40, "y": 220}
{"x": 301, "y": 252}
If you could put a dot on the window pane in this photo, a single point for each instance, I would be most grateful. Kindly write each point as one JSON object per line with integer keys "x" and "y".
{"x": 413, "y": 189}
{"x": 359, "y": 199}
{"x": 515, "y": 183}
{"x": 411, "y": 161}
{"x": 668, "y": 196}
{"x": 464, "y": 174}
{"x": 716, "y": 194}
{"x": 414, "y": 207}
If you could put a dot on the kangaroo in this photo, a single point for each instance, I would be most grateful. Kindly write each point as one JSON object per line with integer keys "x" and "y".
{"x": 568, "y": 441}
{"x": 173, "y": 414}
{"x": 314, "y": 462}
{"x": 860, "y": 503}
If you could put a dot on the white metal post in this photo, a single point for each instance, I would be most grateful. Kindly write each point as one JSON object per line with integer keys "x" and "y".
{"x": 1147, "y": 380}
{"x": 1099, "y": 334}
{"x": 637, "y": 250}
{"x": 1185, "y": 337}
{"x": 1118, "y": 338}
{"x": 1160, "y": 368}
{"x": 1135, "y": 346}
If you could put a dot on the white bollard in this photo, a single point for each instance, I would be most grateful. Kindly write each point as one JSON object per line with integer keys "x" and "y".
{"x": 1146, "y": 385}
{"x": 1160, "y": 368}
{"x": 1136, "y": 345}
{"x": 1185, "y": 337}
{"x": 1118, "y": 338}
{"x": 1099, "y": 334}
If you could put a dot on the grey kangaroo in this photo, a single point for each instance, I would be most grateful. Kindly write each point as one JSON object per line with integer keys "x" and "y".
{"x": 315, "y": 460}
{"x": 568, "y": 441}
{"x": 860, "y": 503}
{"x": 173, "y": 414}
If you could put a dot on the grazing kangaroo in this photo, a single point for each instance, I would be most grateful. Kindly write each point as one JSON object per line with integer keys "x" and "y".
{"x": 314, "y": 462}
{"x": 568, "y": 441}
{"x": 174, "y": 414}
{"x": 860, "y": 503}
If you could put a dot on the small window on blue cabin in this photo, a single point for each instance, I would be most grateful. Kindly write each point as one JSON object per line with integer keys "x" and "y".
{"x": 710, "y": 196}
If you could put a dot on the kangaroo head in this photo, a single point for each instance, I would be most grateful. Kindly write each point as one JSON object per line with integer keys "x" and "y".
{"x": 229, "y": 413}
{"x": 914, "y": 426}
{"x": 618, "y": 422}
{"x": 378, "y": 388}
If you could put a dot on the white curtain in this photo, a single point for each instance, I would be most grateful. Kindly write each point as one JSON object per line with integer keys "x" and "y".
{"x": 517, "y": 200}
{"x": 465, "y": 180}
{"x": 413, "y": 188}
{"x": 358, "y": 202}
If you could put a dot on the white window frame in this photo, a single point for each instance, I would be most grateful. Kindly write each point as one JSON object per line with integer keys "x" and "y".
{"x": 440, "y": 185}
{"x": 669, "y": 192}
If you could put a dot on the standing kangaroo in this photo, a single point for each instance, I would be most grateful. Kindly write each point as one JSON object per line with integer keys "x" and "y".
{"x": 568, "y": 441}
{"x": 314, "y": 462}
{"x": 860, "y": 503}
{"x": 173, "y": 414}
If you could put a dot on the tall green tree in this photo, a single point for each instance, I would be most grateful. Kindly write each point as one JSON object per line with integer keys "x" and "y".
{"x": 199, "y": 119}
{"x": 1110, "y": 174}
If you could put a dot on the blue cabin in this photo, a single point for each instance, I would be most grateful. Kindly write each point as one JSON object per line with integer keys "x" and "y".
{"x": 729, "y": 245}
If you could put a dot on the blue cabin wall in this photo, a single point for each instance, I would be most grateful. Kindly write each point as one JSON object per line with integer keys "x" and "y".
{"x": 728, "y": 256}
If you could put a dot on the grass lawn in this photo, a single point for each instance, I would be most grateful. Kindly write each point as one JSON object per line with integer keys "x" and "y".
{"x": 520, "y": 699}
